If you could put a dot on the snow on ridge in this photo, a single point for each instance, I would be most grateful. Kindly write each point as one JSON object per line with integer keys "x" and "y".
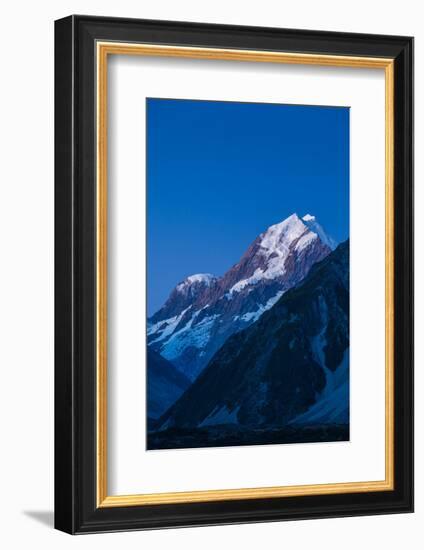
{"x": 278, "y": 237}
{"x": 276, "y": 242}
{"x": 275, "y": 268}
{"x": 201, "y": 278}
{"x": 254, "y": 315}
{"x": 196, "y": 336}
{"x": 205, "y": 278}
{"x": 312, "y": 224}
{"x": 305, "y": 240}
{"x": 169, "y": 326}
{"x": 252, "y": 280}
{"x": 275, "y": 247}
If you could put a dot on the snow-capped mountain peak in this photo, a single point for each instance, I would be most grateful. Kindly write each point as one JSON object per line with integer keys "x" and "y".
{"x": 279, "y": 237}
{"x": 203, "y": 311}
{"x": 312, "y": 224}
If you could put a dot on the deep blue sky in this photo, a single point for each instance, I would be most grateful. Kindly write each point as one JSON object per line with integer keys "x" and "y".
{"x": 219, "y": 173}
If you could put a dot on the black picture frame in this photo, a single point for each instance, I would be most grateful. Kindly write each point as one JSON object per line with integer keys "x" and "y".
{"x": 76, "y": 509}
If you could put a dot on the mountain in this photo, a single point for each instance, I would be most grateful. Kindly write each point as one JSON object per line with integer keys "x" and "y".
{"x": 203, "y": 311}
{"x": 289, "y": 368}
{"x": 165, "y": 384}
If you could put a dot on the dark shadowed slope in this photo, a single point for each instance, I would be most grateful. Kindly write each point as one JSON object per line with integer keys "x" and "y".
{"x": 165, "y": 384}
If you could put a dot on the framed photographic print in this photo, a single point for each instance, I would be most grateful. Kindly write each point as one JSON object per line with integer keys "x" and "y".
{"x": 234, "y": 269}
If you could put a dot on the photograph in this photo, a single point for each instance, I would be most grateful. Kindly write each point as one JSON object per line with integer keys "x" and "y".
{"x": 247, "y": 273}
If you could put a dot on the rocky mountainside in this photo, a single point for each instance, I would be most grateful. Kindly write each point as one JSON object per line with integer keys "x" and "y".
{"x": 290, "y": 367}
{"x": 165, "y": 384}
{"x": 203, "y": 311}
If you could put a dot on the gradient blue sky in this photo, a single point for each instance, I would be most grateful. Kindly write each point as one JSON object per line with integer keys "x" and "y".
{"x": 219, "y": 173}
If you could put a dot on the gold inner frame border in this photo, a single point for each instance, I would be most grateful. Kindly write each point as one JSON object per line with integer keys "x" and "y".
{"x": 103, "y": 50}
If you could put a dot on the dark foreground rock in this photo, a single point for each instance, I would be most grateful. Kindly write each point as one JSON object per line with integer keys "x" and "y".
{"x": 230, "y": 436}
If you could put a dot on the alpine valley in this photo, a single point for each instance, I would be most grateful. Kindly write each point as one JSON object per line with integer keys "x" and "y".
{"x": 260, "y": 354}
